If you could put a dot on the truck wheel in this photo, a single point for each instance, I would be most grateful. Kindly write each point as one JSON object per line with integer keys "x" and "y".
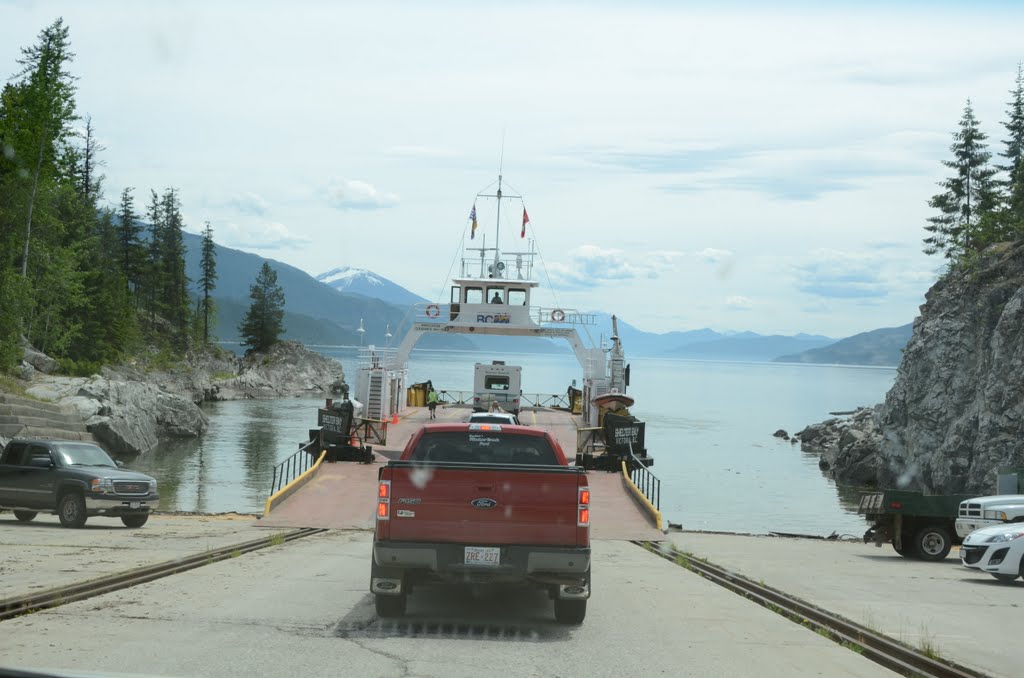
{"x": 25, "y": 516}
{"x": 135, "y": 519}
{"x": 71, "y": 510}
{"x": 389, "y": 606}
{"x": 570, "y": 611}
{"x": 904, "y": 550}
{"x": 1005, "y": 578}
{"x": 932, "y": 543}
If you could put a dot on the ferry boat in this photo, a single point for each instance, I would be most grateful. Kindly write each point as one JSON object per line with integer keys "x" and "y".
{"x": 493, "y": 294}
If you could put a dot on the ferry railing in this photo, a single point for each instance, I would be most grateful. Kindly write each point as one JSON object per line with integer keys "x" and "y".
{"x": 645, "y": 481}
{"x": 454, "y": 397}
{"x": 561, "y": 316}
{"x": 546, "y": 400}
{"x": 294, "y": 466}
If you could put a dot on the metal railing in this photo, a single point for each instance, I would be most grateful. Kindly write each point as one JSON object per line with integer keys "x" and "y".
{"x": 449, "y": 397}
{"x": 294, "y": 466}
{"x": 645, "y": 481}
{"x": 589, "y": 440}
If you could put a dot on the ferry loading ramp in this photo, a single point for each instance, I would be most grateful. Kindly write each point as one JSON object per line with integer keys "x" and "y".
{"x": 343, "y": 495}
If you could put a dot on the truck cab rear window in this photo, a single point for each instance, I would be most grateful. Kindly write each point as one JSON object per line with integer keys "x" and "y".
{"x": 483, "y": 447}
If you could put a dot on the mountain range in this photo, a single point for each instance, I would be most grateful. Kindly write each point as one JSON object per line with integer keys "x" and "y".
{"x": 328, "y": 308}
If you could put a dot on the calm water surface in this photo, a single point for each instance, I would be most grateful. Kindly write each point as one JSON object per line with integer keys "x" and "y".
{"x": 709, "y": 428}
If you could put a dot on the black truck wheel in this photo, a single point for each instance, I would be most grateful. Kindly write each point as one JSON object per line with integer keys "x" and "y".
{"x": 25, "y": 516}
{"x": 135, "y": 519}
{"x": 71, "y": 510}
{"x": 932, "y": 543}
{"x": 389, "y": 606}
{"x": 571, "y": 611}
{"x": 905, "y": 550}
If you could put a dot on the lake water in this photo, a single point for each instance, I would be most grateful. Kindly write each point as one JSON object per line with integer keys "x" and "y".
{"x": 709, "y": 429}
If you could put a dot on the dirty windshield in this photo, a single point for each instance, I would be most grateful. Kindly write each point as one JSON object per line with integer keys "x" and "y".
{"x": 484, "y": 447}
{"x": 733, "y": 264}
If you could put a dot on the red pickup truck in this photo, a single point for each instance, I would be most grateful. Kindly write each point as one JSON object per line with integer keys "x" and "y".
{"x": 482, "y": 504}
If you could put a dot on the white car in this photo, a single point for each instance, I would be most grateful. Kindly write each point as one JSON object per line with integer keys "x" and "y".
{"x": 998, "y": 550}
{"x": 493, "y": 418}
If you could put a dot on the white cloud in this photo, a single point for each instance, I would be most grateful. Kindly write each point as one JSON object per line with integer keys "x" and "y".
{"x": 249, "y": 204}
{"x": 713, "y": 255}
{"x": 261, "y": 236}
{"x": 358, "y": 195}
{"x": 739, "y": 303}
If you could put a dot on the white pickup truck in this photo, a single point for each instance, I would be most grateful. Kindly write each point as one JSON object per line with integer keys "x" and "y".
{"x": 982, "y": 512}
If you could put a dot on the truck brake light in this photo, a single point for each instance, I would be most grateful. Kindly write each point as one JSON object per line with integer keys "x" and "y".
{"x": 583, "y": 515}
{"x": 895, "y": 505}
{"x": 384, "y": 500}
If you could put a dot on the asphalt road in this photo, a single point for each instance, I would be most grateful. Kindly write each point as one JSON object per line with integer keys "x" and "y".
{"x": 303, "y": 609}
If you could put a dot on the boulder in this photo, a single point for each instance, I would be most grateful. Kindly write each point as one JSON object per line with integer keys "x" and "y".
{"x": 39, "y": 360}
{"x": 286, "y": 369}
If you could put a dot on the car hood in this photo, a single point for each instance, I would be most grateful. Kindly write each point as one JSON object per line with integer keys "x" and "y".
{"x": 997, "y": 499}
{"x": 982, "y": 535}
{"x": 112, "y": 473}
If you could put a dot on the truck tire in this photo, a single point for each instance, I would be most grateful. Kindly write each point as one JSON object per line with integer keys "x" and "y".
{"x": 389, "y": 606}
{"x": 135, "y": 519}
{"x": 906, "y": 551}
{"x": 932, "y": 543}
{"x": 25, "y": 516}
{"x": 571, "y": 611}
{"x": 71, "y": 510}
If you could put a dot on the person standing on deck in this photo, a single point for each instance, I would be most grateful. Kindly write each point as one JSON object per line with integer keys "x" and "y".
{"x": 432, "y": 402}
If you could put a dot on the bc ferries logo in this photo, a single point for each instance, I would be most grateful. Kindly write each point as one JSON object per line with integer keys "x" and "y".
{"x": 495, "y": 318}
{"x": 484, "y": 503}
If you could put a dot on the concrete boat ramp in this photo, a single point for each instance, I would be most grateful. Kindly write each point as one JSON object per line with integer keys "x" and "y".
{"x": 303, "y": 607}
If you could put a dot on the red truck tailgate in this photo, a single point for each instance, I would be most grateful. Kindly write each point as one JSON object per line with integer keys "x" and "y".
{"x": 465, "y": 503}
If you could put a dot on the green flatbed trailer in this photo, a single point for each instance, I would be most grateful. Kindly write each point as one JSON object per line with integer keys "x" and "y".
{"x": 917, "y": 525}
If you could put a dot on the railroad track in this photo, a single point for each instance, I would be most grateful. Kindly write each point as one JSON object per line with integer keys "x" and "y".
{"x": 895, "y": 656}
{"x": 14, "y": 607}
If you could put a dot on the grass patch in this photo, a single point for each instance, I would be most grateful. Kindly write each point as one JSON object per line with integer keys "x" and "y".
{"x": 14, "y": 386}
{"x": 222, "y": 375}
{"x": 276, "y": 540}
{"x": 236, "y": 553}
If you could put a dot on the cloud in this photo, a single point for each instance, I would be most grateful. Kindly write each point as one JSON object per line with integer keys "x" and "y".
{"x": 590, "y": 265}
{"x": 353, "y": 194}
{"x": 739, "y": 303}
{"x": 714, "y": 256}
{"x": 263, "y": 236}
{"x": 842, "y": 275}
{"x": 249, "y": 204}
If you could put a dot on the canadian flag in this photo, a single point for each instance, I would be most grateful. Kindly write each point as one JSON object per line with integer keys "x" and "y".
{"x": 526, "y": 220}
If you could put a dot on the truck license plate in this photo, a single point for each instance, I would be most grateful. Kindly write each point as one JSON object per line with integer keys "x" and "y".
{"x": 134, "y": 505}
{"x": 482, "y": 555}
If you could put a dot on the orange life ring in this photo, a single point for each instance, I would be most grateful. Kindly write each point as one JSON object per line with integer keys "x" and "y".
{"x": 558, "y": 315}
{"x": 433, "y": 311}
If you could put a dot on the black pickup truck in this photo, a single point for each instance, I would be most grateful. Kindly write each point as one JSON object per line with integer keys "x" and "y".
{"x": 73, "y": 479}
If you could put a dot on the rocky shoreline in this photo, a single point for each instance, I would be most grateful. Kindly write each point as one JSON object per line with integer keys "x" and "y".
{"x": 955, "y": 413}
{"x": 129, "y": 409}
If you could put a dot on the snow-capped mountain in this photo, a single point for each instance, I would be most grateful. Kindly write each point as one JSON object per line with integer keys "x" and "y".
{"x": 368, "y": 284}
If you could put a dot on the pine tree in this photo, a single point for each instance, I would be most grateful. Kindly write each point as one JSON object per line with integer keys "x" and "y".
{"x": 153, "y": 273}
{"x": 42, "y": 120}
{"x": 129, "y": 243}
{"x": 208, "y": 279}
{"x": 1014, "y": 155}
{"x": 264, "y": 321}
{"x": 969, "y": 196}
{"x": 88, "y": 179}
{"x": 175, "y": 282}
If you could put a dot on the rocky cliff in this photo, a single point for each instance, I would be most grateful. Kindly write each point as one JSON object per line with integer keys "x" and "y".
{"x": 955, "y": 413}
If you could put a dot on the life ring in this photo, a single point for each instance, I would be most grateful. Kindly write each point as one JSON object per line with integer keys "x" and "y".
{"x": 433, "y": 311}
{"x": 558, "y": 315}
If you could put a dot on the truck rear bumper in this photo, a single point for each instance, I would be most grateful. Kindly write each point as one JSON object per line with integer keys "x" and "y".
{"x": 568, "y": 568}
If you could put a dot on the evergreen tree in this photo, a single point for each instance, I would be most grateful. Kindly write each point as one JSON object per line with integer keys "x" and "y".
{"x": 1014, "y": 155}
{"x": 264, "y": 321}
{"x": 208, "y": 279}
{"x": 41, "y": 122}
{"x": 175, "y": 282}
{"x": 969, "y": 196}
{"x": 129, "y": 242}
{"x": 153, "y": 273}
{"x": 88, "y": 178}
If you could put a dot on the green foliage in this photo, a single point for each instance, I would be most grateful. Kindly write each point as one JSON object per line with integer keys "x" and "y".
{"x": 1014, "y": 155}
{"x": 968, "y": 196}
{"x": 263, "y": 323}
{"x": 208, "y": 280}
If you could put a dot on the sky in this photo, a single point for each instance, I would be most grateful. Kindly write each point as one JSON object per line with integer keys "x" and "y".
{"x": 684, "y": 165}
